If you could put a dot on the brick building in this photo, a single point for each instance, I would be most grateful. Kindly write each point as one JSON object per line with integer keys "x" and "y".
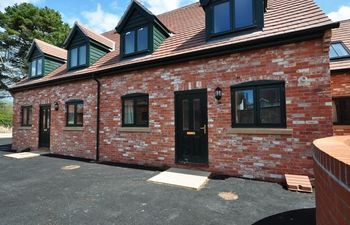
{"x": 340, "y": 78}
{"x": 239, "y": 88}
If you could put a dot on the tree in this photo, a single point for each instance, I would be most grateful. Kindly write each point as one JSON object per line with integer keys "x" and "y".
{"x": 19, "y": 25}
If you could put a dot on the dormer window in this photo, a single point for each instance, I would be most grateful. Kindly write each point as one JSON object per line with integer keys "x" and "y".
{"x": 77, "y": 57}
{"x": 228, "y": 16}
{"x": 136, "y": 41}
{"x": 36, "y": 67}
{"x": 141, "y": 32}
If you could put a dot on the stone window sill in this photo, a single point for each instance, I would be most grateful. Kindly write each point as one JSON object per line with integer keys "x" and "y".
{"x": 277, "y": 131}
{"x": 25, "y": 128}
{"x": 73, "y": 128}
{"x": 341, "y": 126}
{"x": 135, "y": 129}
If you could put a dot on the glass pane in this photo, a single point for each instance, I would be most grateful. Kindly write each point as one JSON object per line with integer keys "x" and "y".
{"x": 332, "y": 53}
{"x": 270, "y": 105}
{"x": 334, "y": 111}
{"x": 24, "y": 116}
{"x": 80, "y": 114}
{"x": 129, "y": 42}
{"x": 141, "y": 112}
{"x": 185, "y": 115}
{"x": 222, "y": 17}
{"x": 40, "y": 67}
{"x": 29, "y": 116}
{"x": 243, "y": 13}
{"x": 33, "y": 70}
{"x": 340, "y": 50}
{"x": 346, "y": 111}
{"x": 129, "y": 112}
{"x": 74, "y": 57}
{"x": 71, "y": 114}
{"x": 142, "y": 39}
{"x": 82, "y": 55}
{"x": 244, "y": 110}
{"x": 197, "y": 114}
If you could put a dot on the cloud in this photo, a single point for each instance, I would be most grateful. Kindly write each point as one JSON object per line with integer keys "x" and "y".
{"x": 5, "y": 3}
{"x": 99, "y": 20}
{"x": 343, "y": 13}
{"x": 161, "y": 6}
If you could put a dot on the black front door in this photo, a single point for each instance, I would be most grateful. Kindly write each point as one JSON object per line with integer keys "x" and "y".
{"x": 44, "y": 126}
{"x": 191, "y": 125}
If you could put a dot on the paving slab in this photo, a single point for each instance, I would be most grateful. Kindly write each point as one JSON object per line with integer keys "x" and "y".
{"x": 23, "y": 155}
{"x": 192, "y": 179}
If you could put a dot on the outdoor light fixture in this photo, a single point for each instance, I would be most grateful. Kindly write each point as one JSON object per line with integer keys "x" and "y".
{"x": 56, "y": 106}
{"x": 218, "y": 93}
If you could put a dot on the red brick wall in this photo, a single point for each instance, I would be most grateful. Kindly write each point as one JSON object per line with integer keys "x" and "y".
{"x": 70, "y": 143}
{"x": 340, "y": 84}
{"x": 253, "y": 156}
{"x": 332, "y": 187}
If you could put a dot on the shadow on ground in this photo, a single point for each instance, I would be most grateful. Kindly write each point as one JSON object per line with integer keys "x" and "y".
{"x": 294, "y": 217}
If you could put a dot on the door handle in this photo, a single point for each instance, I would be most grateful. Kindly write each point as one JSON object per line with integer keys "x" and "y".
{"x": 204, "y": 128}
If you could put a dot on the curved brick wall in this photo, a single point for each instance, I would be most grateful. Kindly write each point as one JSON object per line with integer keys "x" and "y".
{"x": 332, "y": 172}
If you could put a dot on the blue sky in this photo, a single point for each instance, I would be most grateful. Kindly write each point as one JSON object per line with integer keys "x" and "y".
{"x": 103, "y": 15}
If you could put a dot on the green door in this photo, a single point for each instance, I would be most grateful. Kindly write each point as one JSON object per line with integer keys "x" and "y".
{"x": 191, "y": 126}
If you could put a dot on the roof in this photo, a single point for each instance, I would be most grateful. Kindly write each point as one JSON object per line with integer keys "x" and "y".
{"x": 47, "y": 49}
{"x": 283, "y": 18}
{"x": 90, "y": 34}
{"x": 341, "y": 34}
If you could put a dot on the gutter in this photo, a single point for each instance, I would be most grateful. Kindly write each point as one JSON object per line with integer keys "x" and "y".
{"x": 98, "y": 97}
{"x": 296, "y": 36}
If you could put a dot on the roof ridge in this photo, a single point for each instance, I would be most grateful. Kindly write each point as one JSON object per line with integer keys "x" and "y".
{"x": 182, "y": 7}
{"x": 89, "y": 29}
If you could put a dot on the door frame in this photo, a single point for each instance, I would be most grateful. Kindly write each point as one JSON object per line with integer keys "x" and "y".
{"x": 39, "y": 121}
{"x": 203, "y": 91}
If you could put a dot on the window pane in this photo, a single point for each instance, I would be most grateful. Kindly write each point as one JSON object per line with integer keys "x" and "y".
{"x": 243, "y": 13}
{"x": 270, "y": 106}
{"x": 222, "y": 17}
{"x": 82, "y": 55}
{"x": 71, "y": 108}
{"x": 130, "y": 42}
{"x": 24, "y": 116}
{"x": 74, "y": 57}
{"x": 244, "y": 109}
{"x": 141, "y": 112}
{"x": 340, "y": 50}
{"x": 129, "y": 112}
{"x": 332, "y": 53}
{"x": 185, "y": 115}
{"x": 196, "y": 114}
{"x": 142, "y": 39}
{"x": 33, "y": 72}
{"x": 80, "y": 114}
{"x": 30, "y": 116}
{"x": 346, "y": 111}
{"x": 39, "y": 67}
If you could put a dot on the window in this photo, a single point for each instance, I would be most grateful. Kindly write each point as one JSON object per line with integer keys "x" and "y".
{"x": 36, "y": 68}
{"x": 26, "y": 116}
{"x": 136, "y": 41}
{"x": 338, "y": 50}
{"x": 258, "y": 104}
{"x": 135, "y": 110}
{"x": 77, "y": 56}
{"x": 341, "y": 111}
{"x": 74, "y": 113}
{"x": 233, "y": 15}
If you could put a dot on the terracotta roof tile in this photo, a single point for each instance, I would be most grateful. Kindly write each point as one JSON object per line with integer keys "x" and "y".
{"x": 95, "y": 36}
{"x": 341, "y": 34}
{"x": 49, "y": 49}
{"x": 188, "y": 25}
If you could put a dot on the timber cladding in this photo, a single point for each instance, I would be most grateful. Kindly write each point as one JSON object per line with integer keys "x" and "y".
{"x": 259, "y": 156}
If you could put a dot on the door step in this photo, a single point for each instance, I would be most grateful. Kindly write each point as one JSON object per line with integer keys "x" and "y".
{"x": 192, "y": 179}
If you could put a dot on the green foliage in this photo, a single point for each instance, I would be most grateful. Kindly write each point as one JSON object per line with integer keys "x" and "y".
{"x": 20, "y": 24}
{"x": 6, "y": 114}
